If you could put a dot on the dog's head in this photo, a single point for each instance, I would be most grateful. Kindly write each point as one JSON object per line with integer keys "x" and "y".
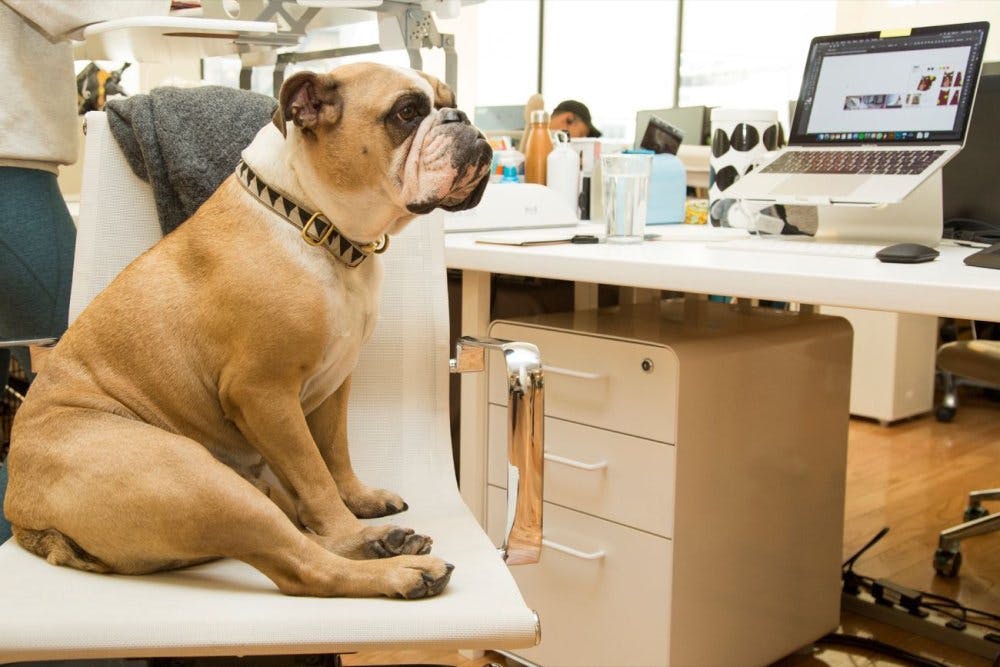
{"x": 367, "y": 126}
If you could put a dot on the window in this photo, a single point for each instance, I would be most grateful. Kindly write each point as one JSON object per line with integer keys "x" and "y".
{"x": 501, "y": 46}
{"x": 749, "y": 54}
{"x": 615, "y": 56}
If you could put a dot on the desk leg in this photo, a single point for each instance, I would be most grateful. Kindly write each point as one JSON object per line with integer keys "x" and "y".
{"x": 584, "y": 296}
{"x": 472, "y": 466}
{"x": 630, "y": 295}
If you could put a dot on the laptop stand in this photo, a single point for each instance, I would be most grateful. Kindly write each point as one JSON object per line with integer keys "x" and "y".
{"x": 916, "y": 219}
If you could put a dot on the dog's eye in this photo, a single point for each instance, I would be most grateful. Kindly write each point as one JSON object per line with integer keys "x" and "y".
{"x": 407, "y": 113}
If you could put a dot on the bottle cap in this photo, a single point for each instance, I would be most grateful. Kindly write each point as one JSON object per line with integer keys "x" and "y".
{"x": 539, "y": 116}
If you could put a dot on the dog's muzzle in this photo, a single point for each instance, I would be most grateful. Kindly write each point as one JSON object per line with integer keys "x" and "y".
{"x": 454, "y": 151}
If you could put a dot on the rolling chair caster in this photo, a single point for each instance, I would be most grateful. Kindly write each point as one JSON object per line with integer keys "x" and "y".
{"x": 978, "y": 521}
{"x": 949, "y": 400}
{"x": 974, "y": 511}
{"x": 944, "y": 413}
{"x": 947, "y": 563}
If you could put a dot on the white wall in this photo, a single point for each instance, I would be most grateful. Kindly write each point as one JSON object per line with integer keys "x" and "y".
{"x": 866, "y": 15}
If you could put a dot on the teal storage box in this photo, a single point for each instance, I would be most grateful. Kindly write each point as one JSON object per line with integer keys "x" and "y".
{"x": 667, "y": 190}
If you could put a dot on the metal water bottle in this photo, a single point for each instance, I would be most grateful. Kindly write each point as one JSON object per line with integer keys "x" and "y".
{"x": 537, "y": 148}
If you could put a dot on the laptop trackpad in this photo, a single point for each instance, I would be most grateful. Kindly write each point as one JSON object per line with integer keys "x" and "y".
{"x": 819, "y": 185}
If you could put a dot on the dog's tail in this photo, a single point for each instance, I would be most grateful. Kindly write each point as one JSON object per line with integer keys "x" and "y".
{"x": 58, "y": 549}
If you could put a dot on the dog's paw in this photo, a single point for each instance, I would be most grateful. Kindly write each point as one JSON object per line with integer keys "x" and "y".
{"x": 368, "y": 503}
{"x": 389, "y": 541}
{"x": 414, "y": 577}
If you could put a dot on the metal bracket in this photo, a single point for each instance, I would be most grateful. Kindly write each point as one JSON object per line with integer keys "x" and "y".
{"x": 419, "y": 31}
{"x": 291, "y": 24}
{"x": 416, "y": 26}
{"x": 525, "y": 439}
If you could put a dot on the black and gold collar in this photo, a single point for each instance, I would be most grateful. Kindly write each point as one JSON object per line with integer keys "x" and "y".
{"x": 316, "y": 229}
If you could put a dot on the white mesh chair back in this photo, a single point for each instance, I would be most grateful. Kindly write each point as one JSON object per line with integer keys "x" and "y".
{"x": 399, "y": 439}
{"x": 117, "y": 216}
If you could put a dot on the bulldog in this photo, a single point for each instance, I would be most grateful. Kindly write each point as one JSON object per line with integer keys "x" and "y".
{"x": 141, "y": 444}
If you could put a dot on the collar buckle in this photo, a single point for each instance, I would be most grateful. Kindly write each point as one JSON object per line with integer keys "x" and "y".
{"x": 320, "y": 239}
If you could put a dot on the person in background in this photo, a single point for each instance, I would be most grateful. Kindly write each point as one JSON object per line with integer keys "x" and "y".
{"x": 573, "y": 118}
{"x": 38, "y": 132}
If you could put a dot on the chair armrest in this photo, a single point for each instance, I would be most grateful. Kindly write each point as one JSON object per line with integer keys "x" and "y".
{"x": 525, "y": 439}
{"x": 39, "y": 348}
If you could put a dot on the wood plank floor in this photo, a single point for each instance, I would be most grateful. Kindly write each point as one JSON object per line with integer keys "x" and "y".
{"x": 912, "y": 477}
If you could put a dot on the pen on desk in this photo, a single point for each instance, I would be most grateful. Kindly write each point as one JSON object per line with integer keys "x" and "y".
{"x": 584, "y": 238}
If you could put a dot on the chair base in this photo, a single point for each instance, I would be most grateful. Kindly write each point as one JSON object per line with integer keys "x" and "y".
{"x": 950, "y": 383}
{"x": 978, "y": 521}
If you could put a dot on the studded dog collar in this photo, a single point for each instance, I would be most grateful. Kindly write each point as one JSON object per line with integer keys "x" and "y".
{"x": 316, "y": 229}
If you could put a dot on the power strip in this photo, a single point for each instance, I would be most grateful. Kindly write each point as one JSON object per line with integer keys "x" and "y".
{"x": 933, "y": 626}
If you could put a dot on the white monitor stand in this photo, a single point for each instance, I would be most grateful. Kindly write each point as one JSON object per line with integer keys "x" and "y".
{"x": 892, "y": 374}
{"x": 916, "y": 219}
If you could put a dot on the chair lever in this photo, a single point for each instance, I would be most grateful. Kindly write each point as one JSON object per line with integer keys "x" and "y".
{"x": 525, "y": 439}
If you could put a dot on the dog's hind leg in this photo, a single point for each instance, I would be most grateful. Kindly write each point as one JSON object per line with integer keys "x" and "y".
{"x": 278, "y": 497}
{"x": 368, "y": 542}
{"x": 137, "y": 499}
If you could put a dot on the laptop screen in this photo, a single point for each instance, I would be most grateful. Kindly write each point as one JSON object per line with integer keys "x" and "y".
{"x": 912, "y": 86}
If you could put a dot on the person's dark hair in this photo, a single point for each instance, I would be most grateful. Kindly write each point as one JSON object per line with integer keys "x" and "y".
{"x": 580, "y": 110}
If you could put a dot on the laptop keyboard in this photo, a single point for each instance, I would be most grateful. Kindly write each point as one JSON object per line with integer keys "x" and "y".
{"x": 852, "y": 162}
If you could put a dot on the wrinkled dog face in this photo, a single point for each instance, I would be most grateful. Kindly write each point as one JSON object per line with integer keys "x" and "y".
{"x": 366, "y": 126}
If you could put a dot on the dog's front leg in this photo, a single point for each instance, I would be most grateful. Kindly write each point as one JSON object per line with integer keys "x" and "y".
{"x": 269, "y": 415}
{"x": 328, "y": 424}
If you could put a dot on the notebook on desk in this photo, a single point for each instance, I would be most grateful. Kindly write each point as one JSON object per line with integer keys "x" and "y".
{"x": 878, "y": 113}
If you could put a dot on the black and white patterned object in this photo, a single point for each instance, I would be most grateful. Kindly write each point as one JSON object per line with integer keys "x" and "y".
{"x": 739, "y": 137}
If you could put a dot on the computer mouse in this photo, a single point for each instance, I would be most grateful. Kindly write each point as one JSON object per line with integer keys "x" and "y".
{"x": 907, "y": 253}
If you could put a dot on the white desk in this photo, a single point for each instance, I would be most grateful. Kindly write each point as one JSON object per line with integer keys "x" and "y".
{"x": 944, "y": 287}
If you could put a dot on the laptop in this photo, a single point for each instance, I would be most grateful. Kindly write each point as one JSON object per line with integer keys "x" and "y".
{"x": 877, "y": 114}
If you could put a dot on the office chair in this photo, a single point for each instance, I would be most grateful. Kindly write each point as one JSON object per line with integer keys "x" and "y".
{"x": 975, "y": 362}
{"x": 400, "y": 440}
{"x": 966, "y": 362}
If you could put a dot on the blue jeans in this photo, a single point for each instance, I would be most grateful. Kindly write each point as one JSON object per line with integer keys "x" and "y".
{"x": 37, "y": 240}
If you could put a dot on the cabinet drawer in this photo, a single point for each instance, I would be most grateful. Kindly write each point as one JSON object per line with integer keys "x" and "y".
{"x": 619, "y": 477}
{"x": 607, "y": 610}
{"x": 598, "y": 381}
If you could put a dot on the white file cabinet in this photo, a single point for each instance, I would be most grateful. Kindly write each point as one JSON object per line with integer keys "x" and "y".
{"x": 892, "y": 374}
{"x": 694, "y": 482}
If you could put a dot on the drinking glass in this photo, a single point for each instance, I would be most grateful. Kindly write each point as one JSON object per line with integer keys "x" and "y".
{"x": 625, "y": 181}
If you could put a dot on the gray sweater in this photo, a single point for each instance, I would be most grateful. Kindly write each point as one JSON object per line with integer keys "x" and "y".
{"x": 185, "y": 141}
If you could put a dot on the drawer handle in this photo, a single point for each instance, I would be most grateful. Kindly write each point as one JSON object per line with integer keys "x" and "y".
{"x": 555, "y": 458}
{"x": 576, "y": 553}
{"x": 568, "y": 372}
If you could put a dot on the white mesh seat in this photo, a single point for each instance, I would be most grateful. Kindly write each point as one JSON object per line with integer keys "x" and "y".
{"x": 399, "y": 440}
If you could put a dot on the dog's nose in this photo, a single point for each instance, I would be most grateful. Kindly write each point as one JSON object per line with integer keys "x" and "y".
{"x": 449, "y": 115}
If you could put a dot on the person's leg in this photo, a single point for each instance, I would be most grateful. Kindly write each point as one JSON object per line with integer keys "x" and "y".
{"x": 5, "y": 531}
{"x": 37, "y": 240}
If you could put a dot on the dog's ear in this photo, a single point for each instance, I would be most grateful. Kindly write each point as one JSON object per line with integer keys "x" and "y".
{"x": 444, "y": 96}
{"x": 307, "y": 99}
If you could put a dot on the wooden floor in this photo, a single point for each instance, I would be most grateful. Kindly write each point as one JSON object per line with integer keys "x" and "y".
{"x": 912, "y": 477}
